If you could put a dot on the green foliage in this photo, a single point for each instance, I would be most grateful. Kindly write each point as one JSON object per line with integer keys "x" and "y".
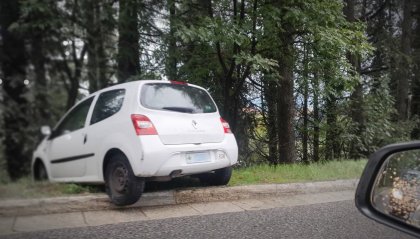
{"x": 289, "y": 173}
{"x": 380, "y": 127}
{"x": 237, "y": 55}
{"x": 39, "y": 17}
{"x": 323, "y": 41}
{"x": 78, "y": 189}
{"x": 258, "y": 62}
{"x": 225, "y": 31}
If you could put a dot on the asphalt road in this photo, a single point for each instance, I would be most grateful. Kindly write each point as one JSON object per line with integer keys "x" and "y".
{"x": 327, "y": 220}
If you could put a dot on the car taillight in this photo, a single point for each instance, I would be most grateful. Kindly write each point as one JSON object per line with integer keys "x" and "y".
{"x": 226, "y": 126}
{"x": 178, "y": 82}
{"x": 143, "y": 125}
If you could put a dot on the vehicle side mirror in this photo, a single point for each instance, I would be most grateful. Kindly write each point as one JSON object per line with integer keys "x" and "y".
{"x": 389, "y": 189}
{"x": 46, "y": 130}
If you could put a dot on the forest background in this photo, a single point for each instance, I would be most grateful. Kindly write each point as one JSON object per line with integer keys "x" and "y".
{"x": 299, "y": 81}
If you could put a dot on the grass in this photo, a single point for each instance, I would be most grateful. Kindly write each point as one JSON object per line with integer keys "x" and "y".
{"x": 262, "y": 174}
{"x": 26, "y": 188}
{"x": 290, "y": 173}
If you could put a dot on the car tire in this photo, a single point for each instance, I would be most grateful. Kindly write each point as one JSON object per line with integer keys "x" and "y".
{"x": 121, "y": 185}
{"x": 219, "y": 177}
{"x": 40, "y": 172}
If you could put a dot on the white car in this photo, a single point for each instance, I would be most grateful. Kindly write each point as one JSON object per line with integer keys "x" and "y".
{"x": 134, "y": 132}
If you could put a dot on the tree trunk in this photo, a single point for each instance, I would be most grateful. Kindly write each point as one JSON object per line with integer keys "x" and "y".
{"x": 305, "y": 133}
{"x": 415, "y": 90}
{"x": 332, "y": 137}
{"x": 285, "y": 101}
{"x": 13, "y": 63}
{"x": 171, "y": 67}
{"x": 332, "y": 150}
{"x": 72, "y": 93}
{"x": 40, "y": 87}
{"x": 356, "y": 98}
{"x": 73, "y": 73}
{"x": 96, "y": 37}
{"x": 128, "y": 58}
{"x": 316, "y": 119}
{"x": 403, "y": 71}
{"x": 92, "y": 36}
{"x": 270, "y": 95}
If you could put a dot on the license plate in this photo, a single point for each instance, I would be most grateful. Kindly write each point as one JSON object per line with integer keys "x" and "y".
{"x": 197, "y": 157}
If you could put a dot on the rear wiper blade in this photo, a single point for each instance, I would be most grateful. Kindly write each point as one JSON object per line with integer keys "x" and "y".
{"x": 179, "y": 109}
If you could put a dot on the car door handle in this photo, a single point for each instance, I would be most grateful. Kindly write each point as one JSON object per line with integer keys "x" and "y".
{"x": 85, "y": 139}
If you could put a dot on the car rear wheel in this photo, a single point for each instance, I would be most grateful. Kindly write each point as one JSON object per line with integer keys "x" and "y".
{"x": 122, "y": 186}
{"x": 217, "y": 178}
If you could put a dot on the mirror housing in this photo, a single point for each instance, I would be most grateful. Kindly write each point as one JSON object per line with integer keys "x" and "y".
{"x": 366, "y": 187}
{"x": 46, "y": 130}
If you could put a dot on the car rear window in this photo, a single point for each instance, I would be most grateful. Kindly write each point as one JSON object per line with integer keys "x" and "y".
{"x": 176, "y": 97}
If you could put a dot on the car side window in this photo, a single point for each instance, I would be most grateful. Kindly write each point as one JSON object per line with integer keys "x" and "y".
{"x": 74, "y": 120}
{"x": 108, "y": 104}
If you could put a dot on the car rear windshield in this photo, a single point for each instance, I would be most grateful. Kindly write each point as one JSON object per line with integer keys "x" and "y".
{"x": 176, "y": 97}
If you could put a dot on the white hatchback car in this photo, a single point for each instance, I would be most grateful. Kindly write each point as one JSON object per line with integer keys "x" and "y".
{"x": 134, "y": 132}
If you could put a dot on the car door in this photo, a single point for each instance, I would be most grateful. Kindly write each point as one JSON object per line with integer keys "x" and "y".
{"x": 67, "y": 151}
{"x": 102, "y": 124}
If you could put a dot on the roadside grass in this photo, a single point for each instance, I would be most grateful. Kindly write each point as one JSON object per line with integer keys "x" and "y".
{"x": 25, "y": 188}
{"x": 261, "y": 174}
{"x": 289, "y": 173}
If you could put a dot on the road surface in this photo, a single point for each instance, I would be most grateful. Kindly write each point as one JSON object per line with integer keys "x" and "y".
{"x": 325, "y": 220}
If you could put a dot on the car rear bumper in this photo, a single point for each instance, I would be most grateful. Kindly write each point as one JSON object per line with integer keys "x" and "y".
{"x": 161, "y": 160}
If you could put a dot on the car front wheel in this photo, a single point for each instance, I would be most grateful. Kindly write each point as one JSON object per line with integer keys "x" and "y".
{"x": 40, "y": 172}
{"x": 122, "y": 186}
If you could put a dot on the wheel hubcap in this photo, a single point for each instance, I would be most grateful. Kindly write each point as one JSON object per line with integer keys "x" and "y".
{"x": 119, "y": 179}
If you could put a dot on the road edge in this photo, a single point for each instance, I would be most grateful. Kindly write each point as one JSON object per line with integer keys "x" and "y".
{"x": 94, "y": 202}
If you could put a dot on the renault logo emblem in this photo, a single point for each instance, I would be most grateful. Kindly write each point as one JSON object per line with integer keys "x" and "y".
{"x": 194, "y": 124}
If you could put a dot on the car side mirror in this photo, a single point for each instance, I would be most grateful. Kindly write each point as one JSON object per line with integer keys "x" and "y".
{"x": 46, "y": 130}
{"x": 389, "y": 189}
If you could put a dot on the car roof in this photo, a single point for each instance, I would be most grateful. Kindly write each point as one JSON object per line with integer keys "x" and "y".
{"x": 134, "y": 84}
{"x": 129, "y": 85}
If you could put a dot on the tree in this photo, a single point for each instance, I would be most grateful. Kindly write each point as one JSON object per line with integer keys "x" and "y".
{"x": 69, "y": 50}
{"x": 356, "y": 98}
{"x": 256, "y": 47}
{"x": 13, "y": 67}
{"x": 171, "y": 65}
{"x": 269, "y": 112}
{"x": 402, "y": 73}
{"x": 415, "y": 90}
{"x": 316, "y": 119}
{"x": 285, "y": 97}
{"x": 99, "y": 20}
{"x": 228, "y": 35}
{"x": 128, "y": 58}
{"x": 34, "y": 25}
{"x": 294, "y": 79}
